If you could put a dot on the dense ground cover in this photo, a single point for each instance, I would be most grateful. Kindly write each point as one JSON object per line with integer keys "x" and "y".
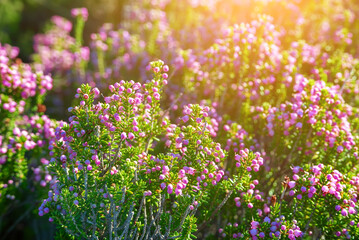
{"x": 188, "y": 119}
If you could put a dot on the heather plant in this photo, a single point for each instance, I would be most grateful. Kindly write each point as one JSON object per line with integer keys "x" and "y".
{"x": 63, "y": 56}
{"x": 53, "y": 47}
{"x": 317, "y": 122}
{"x": 253, "y": 134}
{"x": 316, "y": 201}
{"x": 244, "y": 54}
{"x": 313, "y": 117}
{"x": 250, "y": 63}
{"x": 109, "y": 182}
{"x": 56, "y": 50}
{"x": 25, "y": 131}
{"x": 121, "y": 169}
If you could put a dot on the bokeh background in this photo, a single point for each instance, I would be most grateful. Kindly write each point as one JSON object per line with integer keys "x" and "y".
{"x": 194, "y": 24}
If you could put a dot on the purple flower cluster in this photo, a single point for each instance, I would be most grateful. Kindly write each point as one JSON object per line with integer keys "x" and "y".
{"x": 321, "y": 111}
{"x": 54, "y": 50}
{"x": 324, "y": 182}
{"x": 19, "y": 81}
{"x": 240, "y": 45}
{"x": 23, "y": 130}
{"x": 82, "y": 12}
{"x": 263, "y": 229}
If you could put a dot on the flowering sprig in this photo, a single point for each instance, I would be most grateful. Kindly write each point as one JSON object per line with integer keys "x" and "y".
{"x": 312, "y": 189}
{"x": 321, "y": 186}
{"x": 263, "y": 228}
{"x": 317, "y": 119}
{"x": 106, "y": 153}
{"x": 56, "y": 51}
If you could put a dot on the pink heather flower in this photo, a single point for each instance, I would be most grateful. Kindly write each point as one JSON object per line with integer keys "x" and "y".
{"x": 80, "y": 12}
{"x": 185, "y": 118}
{"x": 297, "y": 233}
{"x": 296, "y": 169}
{"x": 178, "y": 191}
{"x": 63, "y": 158}
{"x": 96, "y": 91}
{"x": 131, "y": 136}
{"x": 254, "y": 224}
{"x": 291, "y": 184}
{"x": 340, "y": 149}
{"x": 169, "y": 188}
{"x": 165, "y": 68}
{"x": 266, "y": 208}
{"x": 352, "y": 210}
{"x": 123, "y": 136}
{"x": 344, "y": 212}
{"x": 325, "y": 189}
{"x": 312, "y": 189}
